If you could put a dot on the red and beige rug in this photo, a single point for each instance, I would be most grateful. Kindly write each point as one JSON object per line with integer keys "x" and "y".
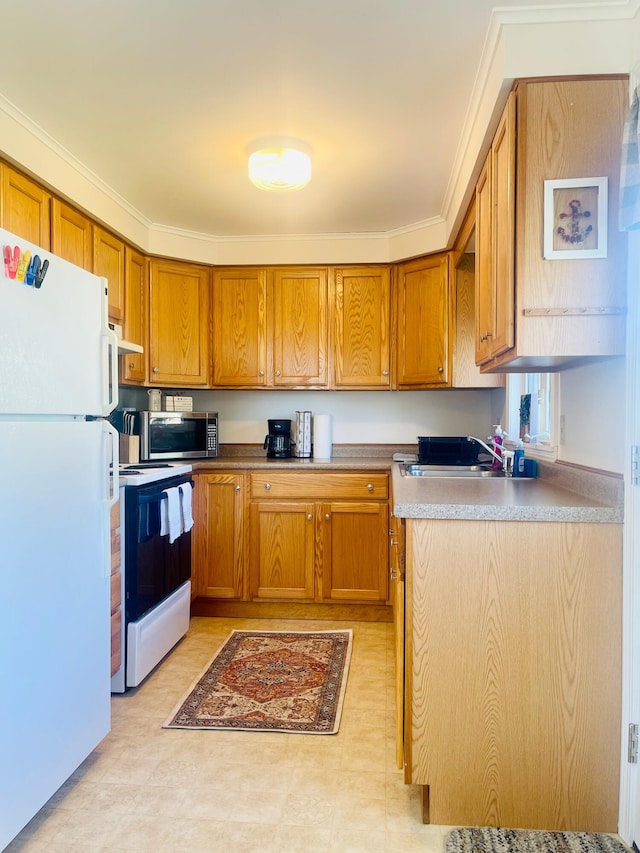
{"x": 273, "y": 681}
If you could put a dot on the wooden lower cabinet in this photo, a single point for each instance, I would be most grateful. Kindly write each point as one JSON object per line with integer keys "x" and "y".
{"x": 116, "y": 591}
{"x": 219, "y": 535}
{"x": 307, "y": 546}
{"x": 282, "y": 550}
{"x": 513, "y": 672}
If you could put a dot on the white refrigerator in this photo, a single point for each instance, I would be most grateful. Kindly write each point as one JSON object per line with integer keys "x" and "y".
{"x": 58, "y": 381}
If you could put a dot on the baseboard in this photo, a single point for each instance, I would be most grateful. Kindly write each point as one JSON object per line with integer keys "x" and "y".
{"x": 292, "y": 610}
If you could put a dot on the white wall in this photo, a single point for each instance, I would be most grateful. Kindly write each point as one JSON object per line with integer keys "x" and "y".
{"x": 359, "y": 417}
{"x": 593, "y": 400}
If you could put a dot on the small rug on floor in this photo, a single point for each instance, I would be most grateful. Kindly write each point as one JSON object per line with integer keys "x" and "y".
{"x": 484, "y": 839}
{"x": 270, "y": 681}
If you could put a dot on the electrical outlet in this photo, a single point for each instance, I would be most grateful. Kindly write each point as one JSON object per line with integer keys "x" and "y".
{"x": 563, "y": 429}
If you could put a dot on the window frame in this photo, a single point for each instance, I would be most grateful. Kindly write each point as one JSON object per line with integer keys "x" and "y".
{"x": 517, "y": 384}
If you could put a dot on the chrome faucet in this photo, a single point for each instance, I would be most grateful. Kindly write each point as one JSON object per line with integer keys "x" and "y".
{"x": 487, "y": 448}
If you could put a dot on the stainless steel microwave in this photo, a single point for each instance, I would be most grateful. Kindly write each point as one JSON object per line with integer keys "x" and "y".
{"x": 178, "y": 435}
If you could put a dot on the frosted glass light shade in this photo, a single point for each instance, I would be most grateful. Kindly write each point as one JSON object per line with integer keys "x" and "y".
{"x": 279, "y": 169}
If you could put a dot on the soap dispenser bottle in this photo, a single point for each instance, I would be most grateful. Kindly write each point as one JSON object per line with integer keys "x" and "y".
{"x": 518, "y": 459}
{"x": 497, "y": 440}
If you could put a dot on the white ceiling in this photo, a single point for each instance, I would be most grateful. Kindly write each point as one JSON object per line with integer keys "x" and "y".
{"x": 161, "y": 99}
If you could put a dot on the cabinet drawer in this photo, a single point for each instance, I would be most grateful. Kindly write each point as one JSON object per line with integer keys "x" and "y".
{"x": 280, "y": 484}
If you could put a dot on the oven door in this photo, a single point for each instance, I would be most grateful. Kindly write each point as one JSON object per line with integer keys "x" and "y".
{"x": 154, "y": 568}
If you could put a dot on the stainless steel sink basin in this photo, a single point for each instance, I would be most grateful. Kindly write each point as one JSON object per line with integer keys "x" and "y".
{"x": 415, "y": 469}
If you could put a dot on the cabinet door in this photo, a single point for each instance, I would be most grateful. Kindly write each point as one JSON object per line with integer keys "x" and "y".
{"x": 136, "y": 292}
{"x": 282, "y": 550}
{"x": 485, "y": 291}
{"x": 361, "y": 351}
{"x": 299, "y": 327}
{"x": 423, "y": 318}
{"x": 24, "y": 208}
{"x": 219, "y": 536}
{"x": 239, "y": 328}
{"x": 355, "y": 551}
{"x": 108, "y": 260}
{"x": 71, "y": 235}
{"x": 179, "y": 312}
{"x": 503, "y": 155}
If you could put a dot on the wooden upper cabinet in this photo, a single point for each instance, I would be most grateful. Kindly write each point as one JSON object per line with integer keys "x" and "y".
{"x": 422, "y": 322}
{"x": 361, "y": 344}
{"x": 24, "y": 208}
{"x": 495, "y": 230}
{"x": 71, "y": 235}
{"x": 239, "y": 327}
{"x": 136, "y": 288}
{"x": 270, "y": 327}
{"x": 536, "y": 313}
{"x": 179, "y": 324}
{"x": 108, "y": 261}
{"x": 300, "y": 327}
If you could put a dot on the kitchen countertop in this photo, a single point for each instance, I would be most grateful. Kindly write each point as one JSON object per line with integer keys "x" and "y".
{"x": 560, "y": 493}
{"x": 502, "y": 499}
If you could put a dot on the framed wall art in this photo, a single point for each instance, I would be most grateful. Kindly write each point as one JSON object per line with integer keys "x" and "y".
{"x": 575, "y": 218}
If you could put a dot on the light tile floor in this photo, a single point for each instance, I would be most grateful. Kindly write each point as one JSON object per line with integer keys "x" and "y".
{"x": 151, "y": 789}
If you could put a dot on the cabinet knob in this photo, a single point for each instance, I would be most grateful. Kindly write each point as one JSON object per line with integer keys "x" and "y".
{"x": 156, "y": 370}
{"x": 385, "y": 372}
{"x": 267, "y": 486}
{"x": 394, "y": 575}
{"x": 310, "y": 516}
{"x": 393, "y": 543}
{"x": 261, "y": 373}
{"x": 327, "y": 516}
{"x": 237, "y": 488}
{"x": 130, "y": 365}
{"x": 370, "y": 486}
{"x": 441, "y": 370}
{"x": 277, "y": 373}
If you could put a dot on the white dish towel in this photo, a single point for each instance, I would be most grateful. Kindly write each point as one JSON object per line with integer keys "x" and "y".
{"x": 187, "y": 512}
{"x": 171, "y": 514}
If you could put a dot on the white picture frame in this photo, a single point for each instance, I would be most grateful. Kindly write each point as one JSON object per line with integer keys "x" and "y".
{"x": 575, "y": 218}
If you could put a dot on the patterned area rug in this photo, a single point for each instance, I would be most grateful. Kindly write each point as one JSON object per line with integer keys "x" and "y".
{"x": 270, "y": 681}
{"x": 489, "y": 840}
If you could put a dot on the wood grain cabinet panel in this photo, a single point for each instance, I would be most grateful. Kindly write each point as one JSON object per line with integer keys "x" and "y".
{"x": 423, "y": 318}
{"x": 355, "y": 544}
{"x": 71, "y": 235}
{"x": 361, "y": 329}
{"x": 513, "y": 673}
{"x": 282, "y": 550}
{"x": 239, "y": 302}
{"x": 116, "y": 590}
{"x": 108, "y": 261}
{"x": 536, "y": 313}
{"x": 133, "y": 366}
{"x": 219, "y": 535}
{"x": 300, "y": 327}
{"x": 179, "y": 324}
{"x": 319, "y": 537}
{"x": 24, "y": 207}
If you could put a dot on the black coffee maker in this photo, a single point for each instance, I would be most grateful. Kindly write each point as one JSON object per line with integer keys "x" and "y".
{"x": 277, "y": 442}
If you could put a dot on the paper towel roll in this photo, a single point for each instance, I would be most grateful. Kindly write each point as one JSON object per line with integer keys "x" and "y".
{"x": 322, "y": 437}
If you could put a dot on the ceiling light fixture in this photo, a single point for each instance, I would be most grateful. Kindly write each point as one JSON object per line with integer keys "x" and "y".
{"x": 279, "y": 169}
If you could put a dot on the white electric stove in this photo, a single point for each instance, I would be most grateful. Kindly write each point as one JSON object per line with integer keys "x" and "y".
{"x": 151, "y": 472}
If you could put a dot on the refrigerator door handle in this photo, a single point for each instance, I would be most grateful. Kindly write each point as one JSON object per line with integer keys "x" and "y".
{"x": 109, "y": 344}
{"x": 111, "y": 464}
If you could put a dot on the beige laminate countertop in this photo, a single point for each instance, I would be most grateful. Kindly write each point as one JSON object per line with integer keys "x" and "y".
{"x": 499, "y": 498}
{"x": 560, "y": 493}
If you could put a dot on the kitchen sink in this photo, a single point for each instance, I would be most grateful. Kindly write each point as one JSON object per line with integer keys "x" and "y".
{"x": 416, "y": 469}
